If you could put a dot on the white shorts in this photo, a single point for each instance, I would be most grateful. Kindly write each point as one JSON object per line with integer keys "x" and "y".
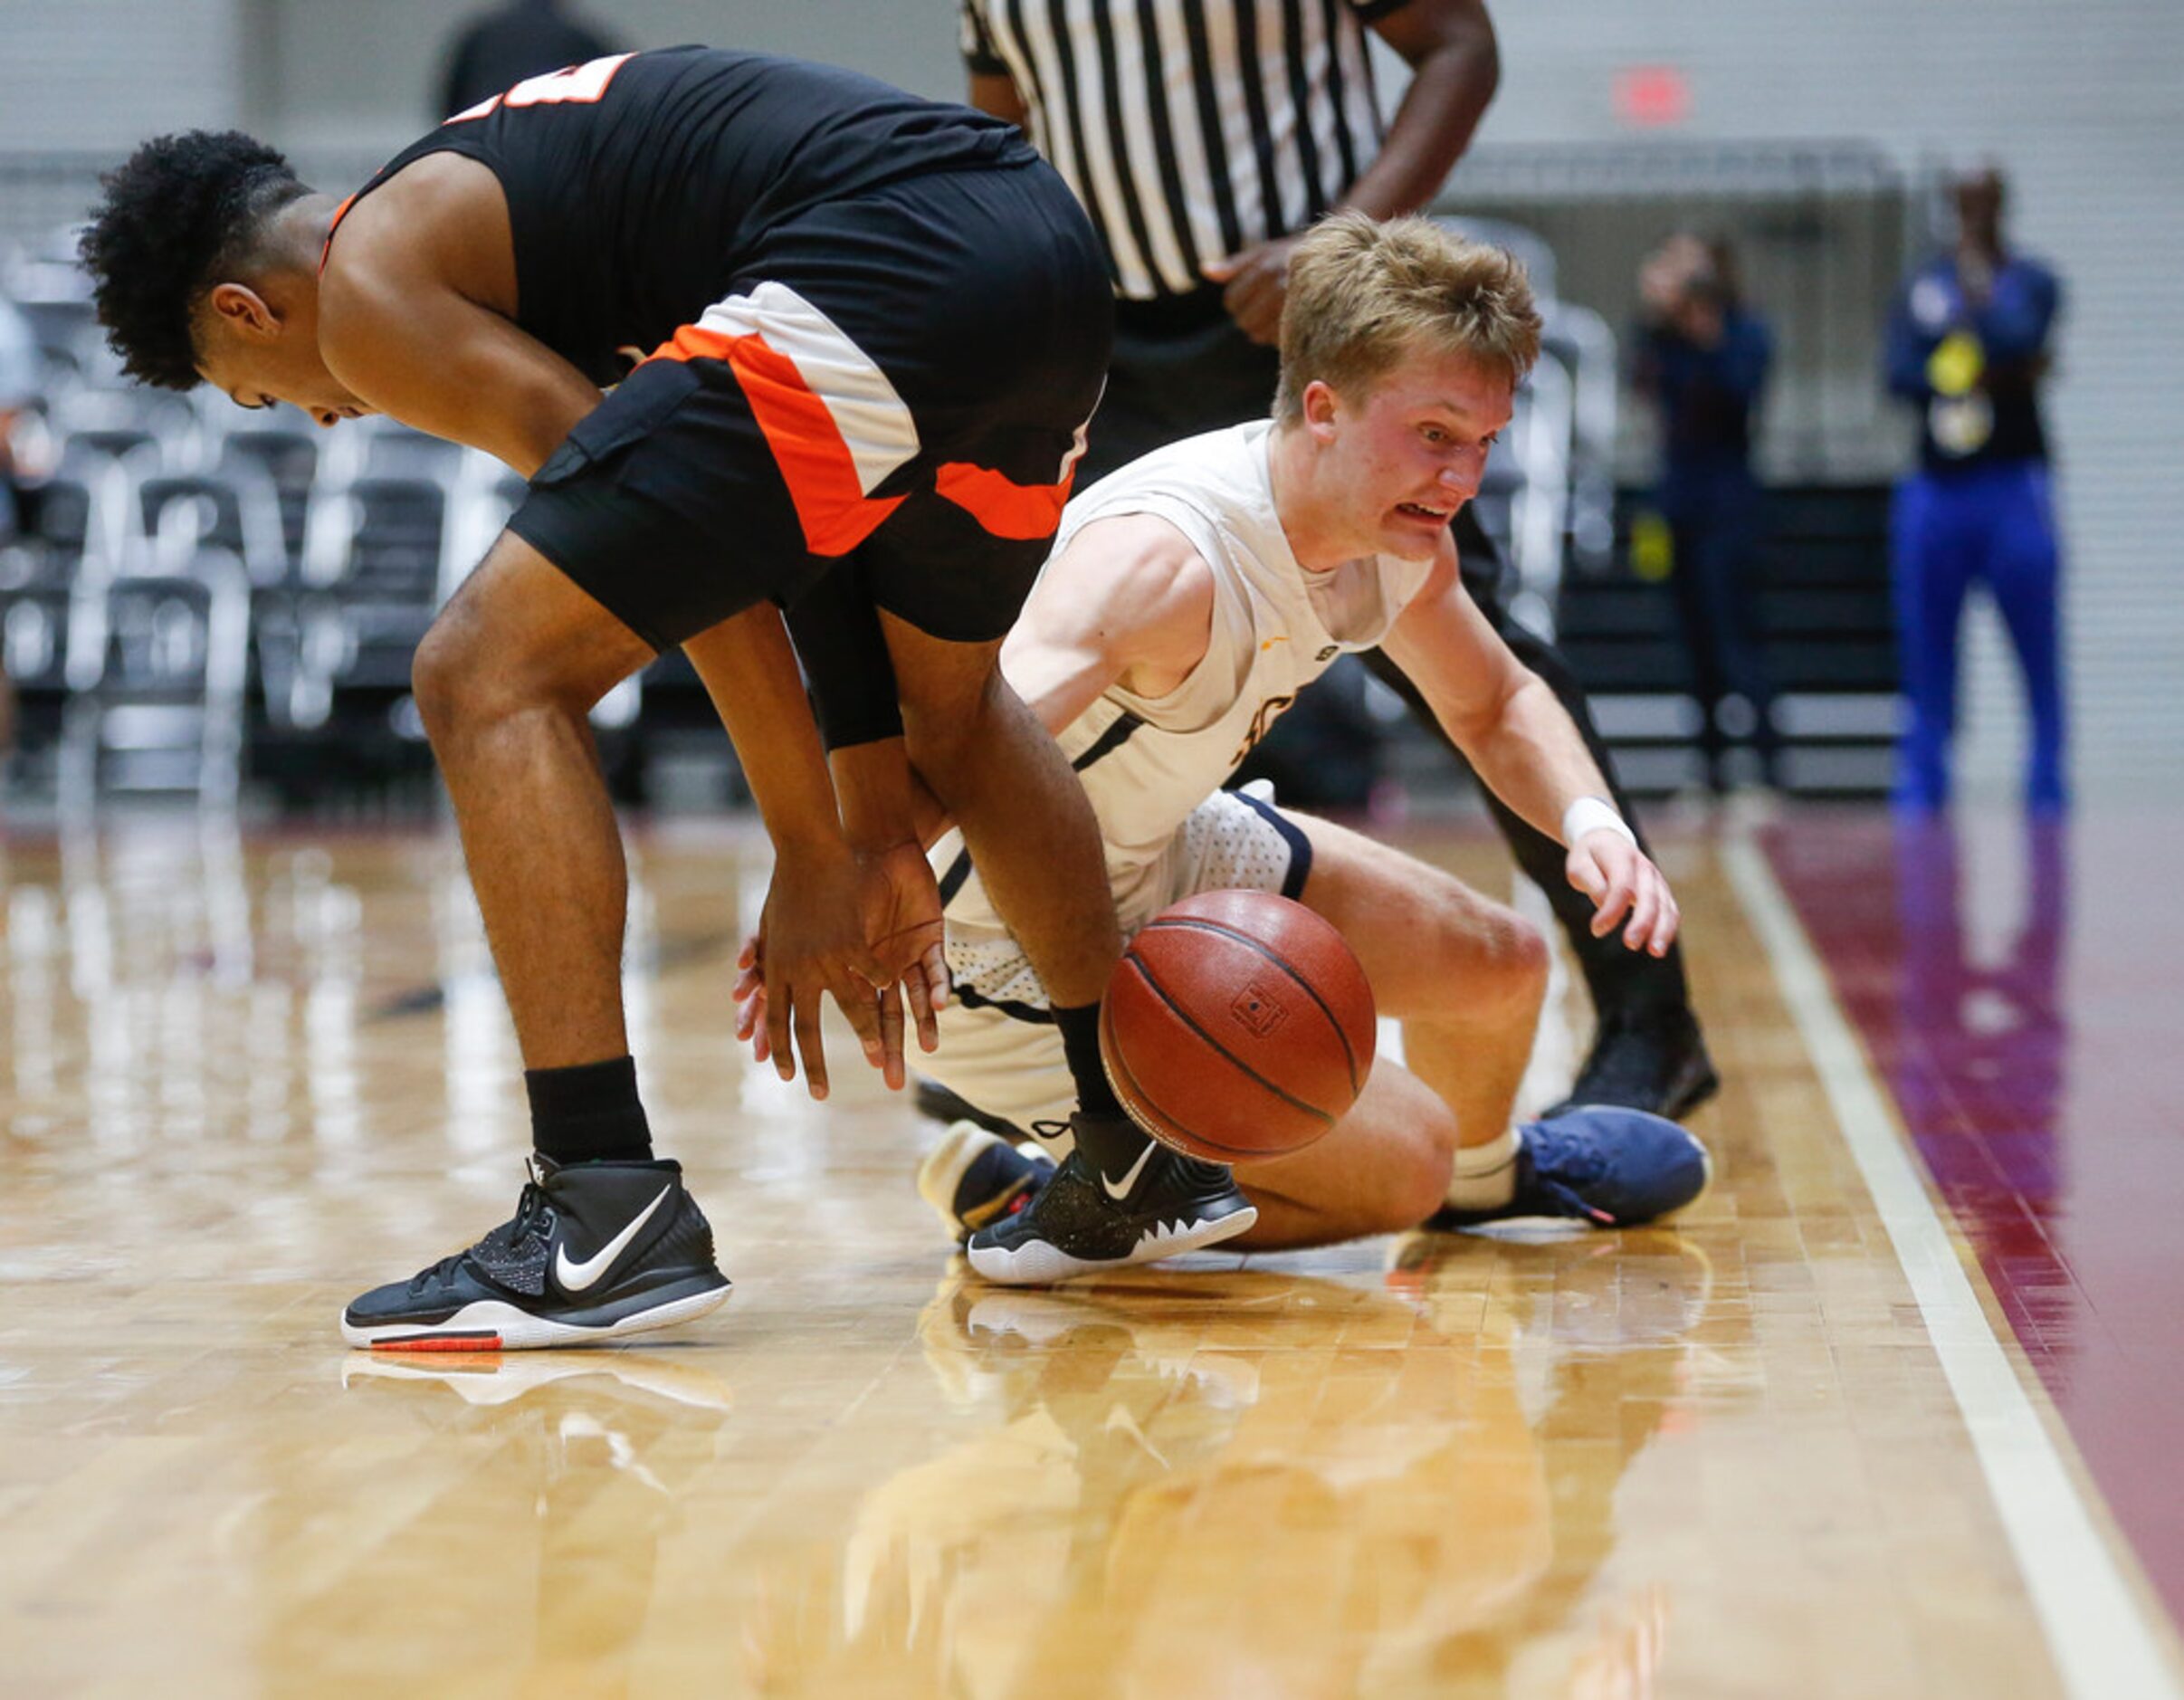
{"x": 999, "y": 1048}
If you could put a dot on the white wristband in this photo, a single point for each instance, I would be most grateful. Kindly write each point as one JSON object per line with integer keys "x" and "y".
{"x": 1593, "y": 814}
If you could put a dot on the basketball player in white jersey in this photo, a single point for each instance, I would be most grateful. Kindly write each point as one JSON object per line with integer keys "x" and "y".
{"x": 1188, "y": 598}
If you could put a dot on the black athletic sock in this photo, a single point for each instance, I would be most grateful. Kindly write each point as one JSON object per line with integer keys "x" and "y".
{"x": 1112, "y": 1143}
{"x": 588, "y": 1114}
{"x": 1080, "y": 1043}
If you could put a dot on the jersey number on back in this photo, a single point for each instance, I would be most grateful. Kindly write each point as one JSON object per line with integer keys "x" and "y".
{"x": 578, "y": 85}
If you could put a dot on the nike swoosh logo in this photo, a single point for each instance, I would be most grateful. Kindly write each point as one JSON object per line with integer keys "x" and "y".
{"x": 574, "y": 1278}
{"x": 1130, "y": 1176}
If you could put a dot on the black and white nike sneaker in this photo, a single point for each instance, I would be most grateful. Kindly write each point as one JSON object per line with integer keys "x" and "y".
{"x": 1082, "y": 1221}
{"x": 594, "y": 1251}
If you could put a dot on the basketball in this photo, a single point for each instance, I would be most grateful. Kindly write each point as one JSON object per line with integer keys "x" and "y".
{"x": 1237, "y": 1026}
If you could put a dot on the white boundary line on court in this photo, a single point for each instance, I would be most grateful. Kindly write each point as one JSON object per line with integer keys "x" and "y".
{"x": 2103, "y": 1645}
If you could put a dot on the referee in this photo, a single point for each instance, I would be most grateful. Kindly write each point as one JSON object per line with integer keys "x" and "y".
{"x": 1204, "y": 136}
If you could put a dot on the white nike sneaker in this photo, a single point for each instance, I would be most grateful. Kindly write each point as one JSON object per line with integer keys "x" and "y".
{"x": 1084, "y": 1221}
{"x": 594, "y": 1252}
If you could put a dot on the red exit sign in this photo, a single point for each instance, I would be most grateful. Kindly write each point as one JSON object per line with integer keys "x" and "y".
{"x": 1652, "y": 96}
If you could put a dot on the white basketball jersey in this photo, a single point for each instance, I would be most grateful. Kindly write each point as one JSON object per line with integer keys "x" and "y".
{"x": 1148, "y": 761}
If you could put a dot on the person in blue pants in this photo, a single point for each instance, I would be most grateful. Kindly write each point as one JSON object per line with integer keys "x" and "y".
{"x": 1701, "y": 356}
{"x": 1969, "y": 346}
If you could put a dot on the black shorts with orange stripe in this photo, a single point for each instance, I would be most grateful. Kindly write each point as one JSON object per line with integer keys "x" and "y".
{"x": 901, "y": 381}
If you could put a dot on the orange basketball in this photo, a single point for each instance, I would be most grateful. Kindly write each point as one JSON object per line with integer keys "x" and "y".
{"x": 1239, "y": 1026}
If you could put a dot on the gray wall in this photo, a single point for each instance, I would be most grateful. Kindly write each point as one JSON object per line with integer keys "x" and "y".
{"x": 344, "y": 75}
{"x": 101, "y": 73}
{"x": 2084, "y": 105}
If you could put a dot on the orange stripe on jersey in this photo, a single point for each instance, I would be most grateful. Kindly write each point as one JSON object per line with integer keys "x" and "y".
{"x": 1022, "y": 513}
{"x": 815, "y": 462}
{"x": 340, "y": 213}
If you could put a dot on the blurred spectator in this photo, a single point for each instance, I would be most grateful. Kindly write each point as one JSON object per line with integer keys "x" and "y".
{"x": 19, "y": 387}
{"x": 518, "y": 40}
{"x": 19, "y": 376}
{"x": 1701, "y": 356}
{"x": 1968, "y": 343}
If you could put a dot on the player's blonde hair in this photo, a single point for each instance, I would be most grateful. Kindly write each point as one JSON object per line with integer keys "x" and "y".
{"x": 1364, "y": 293}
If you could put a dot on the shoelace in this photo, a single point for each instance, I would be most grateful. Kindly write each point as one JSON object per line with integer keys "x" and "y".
{"x": 1582, "y": 1160}
{"x": 1571, "y": 1204}
{"x": 534, "y": 1215}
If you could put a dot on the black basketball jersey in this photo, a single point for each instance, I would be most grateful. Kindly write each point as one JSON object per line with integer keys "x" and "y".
{"x": 639, "y": 185}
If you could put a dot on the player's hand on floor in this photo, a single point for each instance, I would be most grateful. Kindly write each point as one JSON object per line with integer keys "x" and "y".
{"x": 1626, "y": 890}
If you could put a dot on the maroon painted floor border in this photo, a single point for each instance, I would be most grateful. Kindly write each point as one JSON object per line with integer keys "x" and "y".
{"x": 2018, "y": 988}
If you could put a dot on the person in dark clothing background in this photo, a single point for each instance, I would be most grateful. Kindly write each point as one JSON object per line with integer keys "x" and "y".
{"x": 1201, "y": 165}
{"x": 1701, "y": 357}
{"x": 513, "y": 41}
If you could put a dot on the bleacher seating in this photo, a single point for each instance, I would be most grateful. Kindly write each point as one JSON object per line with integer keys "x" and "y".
{"x": 166, "y": 514}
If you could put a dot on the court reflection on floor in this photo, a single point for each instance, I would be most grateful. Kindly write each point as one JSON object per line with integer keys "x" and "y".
{"x": 1264, "y": 1483}
{"x": 598, "y": 1445}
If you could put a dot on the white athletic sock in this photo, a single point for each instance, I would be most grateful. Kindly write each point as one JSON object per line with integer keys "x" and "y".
{"x": 1486, "y": 1175}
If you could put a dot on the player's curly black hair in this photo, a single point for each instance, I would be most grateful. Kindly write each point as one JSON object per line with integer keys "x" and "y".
{"x": 182, "y": 211}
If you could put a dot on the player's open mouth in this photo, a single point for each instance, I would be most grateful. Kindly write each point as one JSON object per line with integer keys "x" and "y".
{"x": 1419, "y": 511}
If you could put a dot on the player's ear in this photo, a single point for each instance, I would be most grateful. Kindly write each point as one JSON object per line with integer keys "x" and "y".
{"x": 242, "y": 309}
{"x": 1320, "y": 407}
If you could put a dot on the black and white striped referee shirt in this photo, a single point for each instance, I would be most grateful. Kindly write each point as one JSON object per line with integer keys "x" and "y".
{"x": 1191, "y": 130}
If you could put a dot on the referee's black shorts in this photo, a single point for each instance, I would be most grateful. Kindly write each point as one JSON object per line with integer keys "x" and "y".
{"x": 903, "y": 381}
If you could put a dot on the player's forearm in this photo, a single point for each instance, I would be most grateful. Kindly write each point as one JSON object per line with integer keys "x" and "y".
{"x": 1448, "y": 94}
{"x": 1530, "y": 753}
{"x": 444, "y": 366}
{"x": 885, "y": 803}
{"x": 750, "y": 673}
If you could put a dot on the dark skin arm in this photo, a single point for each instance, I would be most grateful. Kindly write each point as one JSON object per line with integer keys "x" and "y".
{"x": 415, "y": 318}
{"x": 1449, "y": 45}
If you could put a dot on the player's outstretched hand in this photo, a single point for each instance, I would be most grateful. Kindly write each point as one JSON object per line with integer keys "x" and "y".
{"x": 1626, "y": 889}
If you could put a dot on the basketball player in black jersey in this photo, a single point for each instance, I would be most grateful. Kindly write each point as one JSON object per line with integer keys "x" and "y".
{"x": 867, "y": 332}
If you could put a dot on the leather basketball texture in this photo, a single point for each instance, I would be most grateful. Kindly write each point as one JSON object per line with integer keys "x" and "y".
{"x": 1238, "y": 1027}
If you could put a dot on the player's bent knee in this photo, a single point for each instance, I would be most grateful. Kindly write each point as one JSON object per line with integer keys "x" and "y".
{"x": 464, "y": 678}
{"x": 471, "y": 670}
{"x": 1510, "y": 957}
{"x": 1420, "y": 1190}
{"x": 1505, "y": 958}
{"x": 441, "y": 676}
{"x": 1527, "y": 958}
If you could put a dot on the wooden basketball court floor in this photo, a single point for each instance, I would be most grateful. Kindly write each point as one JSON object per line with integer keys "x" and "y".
{"x": 1889, "y": 1411}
